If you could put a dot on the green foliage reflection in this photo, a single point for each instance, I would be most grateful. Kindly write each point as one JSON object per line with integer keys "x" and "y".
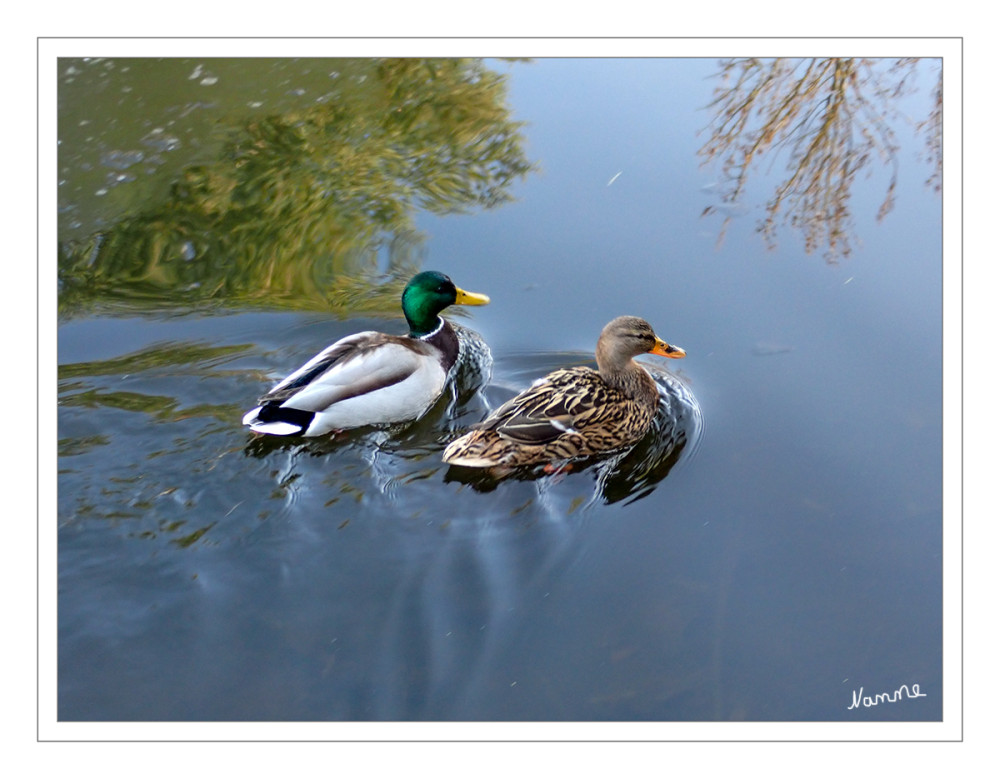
{"x": 298, "y": 206}
{"x": 832, "y": 117}
{"x": 159, "y": 356}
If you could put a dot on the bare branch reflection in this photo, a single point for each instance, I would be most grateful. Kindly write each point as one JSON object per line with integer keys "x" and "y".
{"x": 826, "y": 120}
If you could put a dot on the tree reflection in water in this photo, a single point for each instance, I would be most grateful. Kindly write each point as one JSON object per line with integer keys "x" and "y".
{"x": 830, "y": 118}
{"x": 296, "y": 208}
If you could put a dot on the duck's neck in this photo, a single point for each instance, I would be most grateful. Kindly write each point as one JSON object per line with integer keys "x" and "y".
{"x": 631, "y": 379}
{"x": 425, "y": 328}
{"x": 445, "y": 340}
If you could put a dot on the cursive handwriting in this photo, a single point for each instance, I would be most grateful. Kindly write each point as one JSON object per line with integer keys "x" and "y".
{"x": 884, "y": 697}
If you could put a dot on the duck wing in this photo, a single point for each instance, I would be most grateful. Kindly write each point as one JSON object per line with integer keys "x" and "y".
{"x": 560, "y": 403}
{"x": 356, "y": 365}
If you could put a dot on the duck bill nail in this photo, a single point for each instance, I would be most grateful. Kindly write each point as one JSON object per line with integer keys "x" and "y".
{"x": 464, "y": 298}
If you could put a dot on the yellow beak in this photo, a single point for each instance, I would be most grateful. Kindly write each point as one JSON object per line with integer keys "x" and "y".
{"x": 463, "y": 298}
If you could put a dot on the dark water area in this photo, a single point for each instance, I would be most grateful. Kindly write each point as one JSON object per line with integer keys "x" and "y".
{"x": 783, "y": 553}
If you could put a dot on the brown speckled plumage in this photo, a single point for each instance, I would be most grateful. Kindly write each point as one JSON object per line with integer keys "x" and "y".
{"x": 575, "y": 412}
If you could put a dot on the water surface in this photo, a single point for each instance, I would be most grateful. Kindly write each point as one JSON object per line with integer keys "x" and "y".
{"x": 784, "y": 556}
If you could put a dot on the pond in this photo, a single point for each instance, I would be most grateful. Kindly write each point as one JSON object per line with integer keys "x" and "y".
{"x": 221, "y": 221}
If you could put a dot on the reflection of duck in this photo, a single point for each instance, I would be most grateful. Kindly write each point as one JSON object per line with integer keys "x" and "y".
{"x": 576, "y": 412}
{"x": 371, "y": 377}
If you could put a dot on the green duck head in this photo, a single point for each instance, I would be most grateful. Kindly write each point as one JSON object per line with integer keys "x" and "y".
{"x": 427, "y": 295}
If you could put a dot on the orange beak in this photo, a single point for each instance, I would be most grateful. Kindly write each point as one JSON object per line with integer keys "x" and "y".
{"x": 664, "y": 349}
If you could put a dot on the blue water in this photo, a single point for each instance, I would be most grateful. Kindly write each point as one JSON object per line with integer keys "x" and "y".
{"x": 791, "y": 555}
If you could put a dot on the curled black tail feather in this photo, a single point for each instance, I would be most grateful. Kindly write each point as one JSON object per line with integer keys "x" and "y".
{"x": 275, "y": 412}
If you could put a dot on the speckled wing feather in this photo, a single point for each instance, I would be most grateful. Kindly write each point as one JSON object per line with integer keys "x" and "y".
{"x": 567, "y": 402}
{"x": 570, "y": 413}
{"x": 549, "y": 408}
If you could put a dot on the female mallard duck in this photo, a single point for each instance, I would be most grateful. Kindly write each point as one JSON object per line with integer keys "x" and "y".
{"x": 575, "y": 412}
{"x": 371, "y": 378}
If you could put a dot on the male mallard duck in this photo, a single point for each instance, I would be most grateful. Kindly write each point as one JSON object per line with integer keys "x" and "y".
{"x": 575, "y": 412}
{"x": 371, "y": 378}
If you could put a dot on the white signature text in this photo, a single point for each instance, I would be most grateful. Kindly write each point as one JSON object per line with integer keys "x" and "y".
{"x": 860, "y": 699}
